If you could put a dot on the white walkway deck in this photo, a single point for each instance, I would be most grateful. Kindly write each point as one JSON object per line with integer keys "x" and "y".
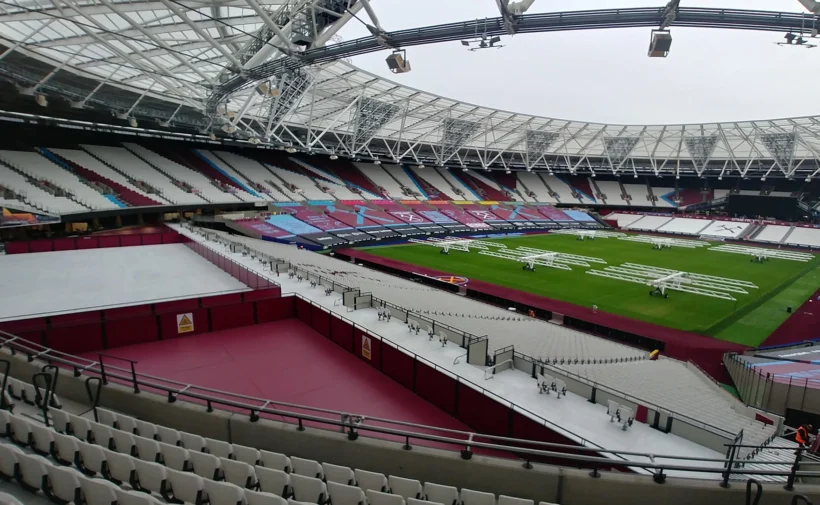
{"x": 51, "y": 283}
{"x": 576, "y": 418}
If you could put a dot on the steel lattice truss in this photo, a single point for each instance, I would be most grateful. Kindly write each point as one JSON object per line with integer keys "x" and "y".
{"x": 164, "y": 59}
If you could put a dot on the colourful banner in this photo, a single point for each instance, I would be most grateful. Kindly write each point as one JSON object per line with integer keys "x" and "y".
{"x": 12, "y": 218}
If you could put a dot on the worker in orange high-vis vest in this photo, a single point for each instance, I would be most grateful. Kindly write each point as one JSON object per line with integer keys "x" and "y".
{"x": 802, "y": 436}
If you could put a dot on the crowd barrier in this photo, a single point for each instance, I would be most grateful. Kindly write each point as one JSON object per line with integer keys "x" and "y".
{"x": 92, "y": 242}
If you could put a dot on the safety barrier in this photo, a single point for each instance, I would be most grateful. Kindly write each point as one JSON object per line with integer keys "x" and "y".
{"x": 525, "y": 442}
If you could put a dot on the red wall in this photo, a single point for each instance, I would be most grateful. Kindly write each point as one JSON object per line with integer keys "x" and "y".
{"x": 93, "y": 242}
{"x": 106, "y": 329}
{"x": 469, "y": 403}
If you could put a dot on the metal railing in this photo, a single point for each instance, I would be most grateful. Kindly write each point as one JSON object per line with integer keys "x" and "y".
{"x": 626, "y": 396}
{"x": 353, "y": 424}
{"x": 468, "y": 336}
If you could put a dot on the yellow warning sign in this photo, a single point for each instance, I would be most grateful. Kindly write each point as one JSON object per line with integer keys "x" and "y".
{"x": 365, "y": 347}
{"x": 185, "y": 322}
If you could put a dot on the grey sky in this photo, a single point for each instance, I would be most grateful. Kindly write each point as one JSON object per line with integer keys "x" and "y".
{"x": 605, "y": 75}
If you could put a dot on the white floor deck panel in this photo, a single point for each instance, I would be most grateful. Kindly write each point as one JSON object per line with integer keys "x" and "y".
{"x": 573, "y": 415}
{"x": 52, "y": 283}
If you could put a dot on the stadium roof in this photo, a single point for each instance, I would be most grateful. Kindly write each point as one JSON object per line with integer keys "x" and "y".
{"x": 165, "y": 60}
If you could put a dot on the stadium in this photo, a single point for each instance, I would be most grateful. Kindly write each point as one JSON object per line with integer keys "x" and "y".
{"x": 250, "y": 258}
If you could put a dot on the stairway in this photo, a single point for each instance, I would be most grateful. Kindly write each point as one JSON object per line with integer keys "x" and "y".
{"x": 596, "y": 190}
{"x": 652, "y": 197}
{"x": 552, "y": 193}
{"x": 624, "y": 195}
{"x": 786, "y": 236}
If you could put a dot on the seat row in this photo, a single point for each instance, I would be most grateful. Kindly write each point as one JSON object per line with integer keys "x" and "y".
{"x": 88, "y": 473}
{"x": 297, "y": 478}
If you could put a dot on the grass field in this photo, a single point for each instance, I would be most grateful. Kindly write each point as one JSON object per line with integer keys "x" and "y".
{"x": 747, "y": 321}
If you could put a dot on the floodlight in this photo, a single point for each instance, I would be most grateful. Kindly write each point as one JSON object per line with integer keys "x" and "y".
{"x": 41, "y": 100}
{"x": 254, "y": 141}
{"x": 213, "y": 137}
{"x": 290, "y": 150}
{"x": 133, "y": 122}
{"x": 229, "y": 128}
{"x": 421, "y": 165}
{"x": 377, "y": 162}
{"x": 334, "y": 157}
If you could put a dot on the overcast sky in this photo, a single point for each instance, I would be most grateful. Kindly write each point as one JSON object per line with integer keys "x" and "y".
{"x": 605, "y": 75}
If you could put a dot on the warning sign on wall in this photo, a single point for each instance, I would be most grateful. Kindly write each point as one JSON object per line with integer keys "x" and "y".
{"x": 365, "y": 347}
{"x": 185, "y": 322}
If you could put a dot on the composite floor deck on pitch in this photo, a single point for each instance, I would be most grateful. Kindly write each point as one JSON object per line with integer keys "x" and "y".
{"x": 50, "y": 283}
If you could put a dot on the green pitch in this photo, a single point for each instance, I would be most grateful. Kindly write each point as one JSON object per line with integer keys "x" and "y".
{"x": 748, "y": 321}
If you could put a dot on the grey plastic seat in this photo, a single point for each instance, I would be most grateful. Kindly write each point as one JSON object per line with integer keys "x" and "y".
{"x": 224, "y": 493}
{"x": 340, "y": 474}
{"x": 371, "y": 480}
{"x": 448, "y": 495}
{"x": 260, "y": 498}
{"x": 308, "y": 489}
{"x": 274, "y": 481}
{"x": 184, "y": 486}
{"x": 238, "y": 473}
{"x": 470, "y": 497}
{"x": 379, "y": 498}
{"x": 276, "y": 461}
{"x": 64, "y": 484}
{"x": 306, "y": 467}
{"x": 342, "y": 494}
{"x": 205, "y": 465}
{"x": 406, "y": 488}
{"x": 247, "y": 455}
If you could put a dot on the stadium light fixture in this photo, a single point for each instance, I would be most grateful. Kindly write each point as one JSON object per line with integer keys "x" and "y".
{"x": 377, "y": 162}
{"x": 421, "y": 165}
{"x": 290, "y": 150}
{"x": 41, "y": 100}
{"x": 398, "y": 63}
{"x": 509, "y": 172}
{"x": 334, "y": 157}
{"x": 133, "y": 122}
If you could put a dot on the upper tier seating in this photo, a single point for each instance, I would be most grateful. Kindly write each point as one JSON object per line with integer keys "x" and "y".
{"x": 229, "y": 171}
{"x": 530, "y": 336}
{"x": 560, "y": 187}
{"x": 338, "y": 186}
{"x": 35, "y": 196}
{"x": 128, "y": 163}
{"x": 306, "y": 186}
{"x": 84, "y": 159}
{"x": 256, "y": 173}
{"x": 436, "y": 179}
{"x": 639, "y": 194}
{"x": 381, "y": 178}
{"x": 196, "y": 180}
{"x": 532, "y": 182}
{"x": 660, "y": 192}
{"x": 461, "y": 189}
{"x": 41, "y": 168}
{"x": 612, "y": 192}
